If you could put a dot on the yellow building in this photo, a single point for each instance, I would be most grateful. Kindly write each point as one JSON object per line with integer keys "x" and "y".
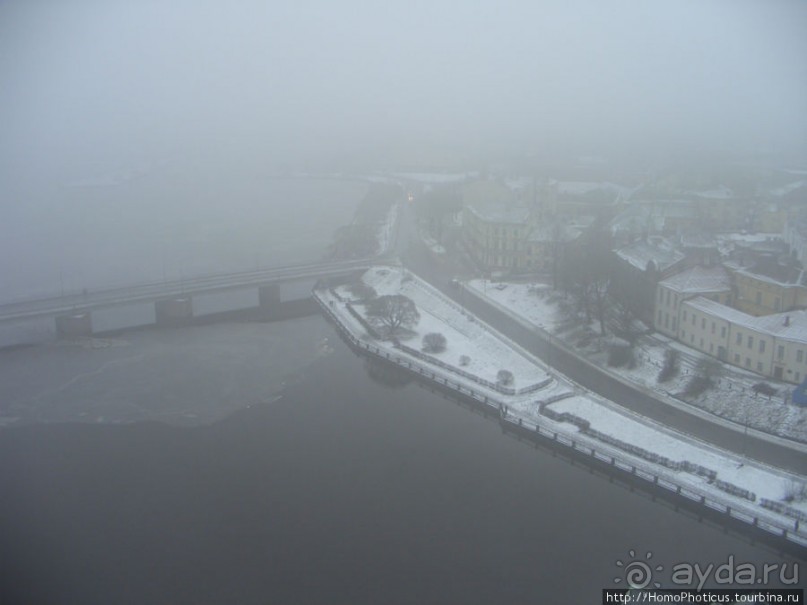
{"x": 769, "y": 288}
{"x": 495, "y": 223}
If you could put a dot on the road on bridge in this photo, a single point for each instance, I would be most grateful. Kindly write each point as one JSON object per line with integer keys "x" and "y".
{"x": 166, "y": 289}
{"x": 416, "y": 257}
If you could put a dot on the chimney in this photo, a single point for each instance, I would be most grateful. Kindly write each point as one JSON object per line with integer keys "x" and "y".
{"x": 787, "y": 320}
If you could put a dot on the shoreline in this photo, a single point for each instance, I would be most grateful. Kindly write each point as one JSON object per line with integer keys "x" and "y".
{"x": 599, "y": 453}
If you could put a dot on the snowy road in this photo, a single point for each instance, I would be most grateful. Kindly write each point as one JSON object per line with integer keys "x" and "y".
{"x": 417, "y": 259}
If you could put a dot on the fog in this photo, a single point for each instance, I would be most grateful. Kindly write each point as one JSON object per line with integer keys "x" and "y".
{"x": 91, "y": 86}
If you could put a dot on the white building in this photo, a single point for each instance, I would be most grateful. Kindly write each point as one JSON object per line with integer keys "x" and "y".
{"x": 712, "y": 282}
{"x": 773, "y": 345}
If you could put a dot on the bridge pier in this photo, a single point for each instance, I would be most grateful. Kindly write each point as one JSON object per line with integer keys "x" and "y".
{"x": 269, "y": 301}
{"x": 75, "y": 325}
{"x": 269, "y": 296}
{"x": 173, "y": 311}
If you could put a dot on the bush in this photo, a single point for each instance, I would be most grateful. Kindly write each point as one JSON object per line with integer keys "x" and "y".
{"x": 505, "y": 377}
{"x": 706, "y": 371}
{"x": 434, "y": 342}
{"x": 620, "y": 355}
{"x": 671, "y": 367}
{"x": 763, "y": 388}
{"x": 362, "y": 291}
{"x": 696, "y": 386}
{"x": 796, "y": 491}
{"x": 464, "y": 360}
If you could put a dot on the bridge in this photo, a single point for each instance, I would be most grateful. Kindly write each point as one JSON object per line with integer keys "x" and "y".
{"x": 170, "y": 302}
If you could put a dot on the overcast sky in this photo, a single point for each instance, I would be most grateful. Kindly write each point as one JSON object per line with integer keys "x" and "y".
{"x": 87, "y": 82}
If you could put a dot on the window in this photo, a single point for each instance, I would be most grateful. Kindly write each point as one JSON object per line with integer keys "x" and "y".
{"x": 713, "y": 327}
{"x": 747, "y": 362}
{"x": 778, "y": 304}
{"x": 737, "y": 358}
{"x": 693, "y": 319}
{"x": 780, "y": 352}
{"x": 701, "y": 343}
{"x": 800, "y": 355}
{"x": 683, "y": 335}
{"x": 761, "y": 346}
{"x": 723, "y": 332}
{"x": 759, "y": 298}
{"x": 703, "y": 323}
{"x": 797, "y": 377}
{"x": 685, "y": 315}
{"x": 759, "y": 366}
{"x": 739, "y": 338}
{"x": 674, "y": 322}
{"x": 666, "y": 320}
{"x": 658, "y": 321}
{"x": 711, "y": 348}
{"x": 750, "y": 342}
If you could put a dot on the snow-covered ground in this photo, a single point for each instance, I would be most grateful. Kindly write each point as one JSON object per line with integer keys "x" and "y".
{"x": 535, "y": 302}
{"x": 613, "y": 431}
{"x": 464, "y": 335}
{"x": 732, "y": 397}
{"x": 764, "y": 482}
{"x": 386, "y": 230}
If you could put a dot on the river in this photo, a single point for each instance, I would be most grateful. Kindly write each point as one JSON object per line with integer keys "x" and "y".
{"x": 169, "y": 222}
{"x": 205, "y": 465}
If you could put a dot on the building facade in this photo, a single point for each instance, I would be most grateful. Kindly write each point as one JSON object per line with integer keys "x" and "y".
{"x": 712, "y": 282}
{"x": 693, "y": 307}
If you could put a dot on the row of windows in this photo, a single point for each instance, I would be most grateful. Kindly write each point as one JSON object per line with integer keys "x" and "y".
{"x": 670, "y": 323}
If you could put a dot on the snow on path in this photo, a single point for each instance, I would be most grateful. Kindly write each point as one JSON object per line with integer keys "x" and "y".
{"x": 464, "y": 335}
{"x": 531, "y": 301}
{"x": 764, "y": 482}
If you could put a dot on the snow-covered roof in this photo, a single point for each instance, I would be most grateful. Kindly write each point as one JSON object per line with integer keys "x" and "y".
{"x": 655, "y": 249}
{"x": 721, "y": 192}
{"x": 699, "y": 279}
{"x": 774, "y": 273}
{"x": 494, "y": 202}
{"x": 584, "y": 187}
{"x": 791, "y": 325}
{"x": 786, "y": 189}
{"x": 435, "y": 177}
{"x": 558, "y": 232}
{"x": 518, "y": 183}
{"x": 652, "y": 215}
{"x": 698, "y": 240}
{"x": 516, "y": 214}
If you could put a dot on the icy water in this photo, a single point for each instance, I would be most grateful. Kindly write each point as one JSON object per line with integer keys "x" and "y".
{"x": 270, "y": 464}
{"x": 171, "y": 222}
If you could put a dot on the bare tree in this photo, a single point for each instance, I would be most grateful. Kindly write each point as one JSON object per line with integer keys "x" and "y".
{"x": 393, "y": 312}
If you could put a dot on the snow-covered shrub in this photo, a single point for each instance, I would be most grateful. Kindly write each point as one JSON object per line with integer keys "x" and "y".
{"x": 505, "y": 377}
{"x": 434, "y": 342}
{"x": 362, "y": 291}
{"x": 763, "y": 388}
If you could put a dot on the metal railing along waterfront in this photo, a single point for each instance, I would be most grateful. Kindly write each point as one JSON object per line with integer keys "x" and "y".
{"x": 582, "y": 444}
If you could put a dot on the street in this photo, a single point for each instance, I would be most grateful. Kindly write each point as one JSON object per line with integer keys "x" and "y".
{"x": 417, "y": 258}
